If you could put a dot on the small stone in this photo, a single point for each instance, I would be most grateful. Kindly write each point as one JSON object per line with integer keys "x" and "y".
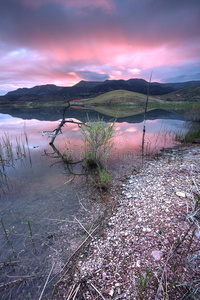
{"x": 197, "y": 234}
{"x": 128, "y": 196}
{"x": 111, "y": 292}
{"x": 117, "y": 284}
{"x": 104, "y": 275}
{"x": 157, "y": 254}
{"x": 181, "y": 194}
{"x": 178, "y": 251}
{"x": 138, "y": 263}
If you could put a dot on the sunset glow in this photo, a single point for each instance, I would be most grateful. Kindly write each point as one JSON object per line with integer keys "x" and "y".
{"x": 65, "y": 41}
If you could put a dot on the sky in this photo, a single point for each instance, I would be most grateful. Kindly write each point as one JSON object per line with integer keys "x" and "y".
{"x": 64, "y": 41}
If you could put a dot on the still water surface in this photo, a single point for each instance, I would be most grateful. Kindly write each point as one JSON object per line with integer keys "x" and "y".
{"x": 39, "y": 188}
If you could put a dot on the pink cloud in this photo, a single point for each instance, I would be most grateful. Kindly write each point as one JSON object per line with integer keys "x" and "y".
{"x": 65, "y": 40}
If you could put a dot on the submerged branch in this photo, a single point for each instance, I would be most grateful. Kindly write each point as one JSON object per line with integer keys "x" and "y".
{"x": 11, "y": 284}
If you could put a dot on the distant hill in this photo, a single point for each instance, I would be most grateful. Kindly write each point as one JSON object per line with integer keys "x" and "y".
{"x": 121, "y": 103}
{"x": 133, "y": 85}
{"x": 87, "y": 89}
{"x": 87, "y": 84}
{"x": 189, "y": 94}
{"x": 35, "y": 92}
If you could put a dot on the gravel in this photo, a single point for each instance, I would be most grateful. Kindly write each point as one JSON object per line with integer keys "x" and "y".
{"x": 133, "y": 254}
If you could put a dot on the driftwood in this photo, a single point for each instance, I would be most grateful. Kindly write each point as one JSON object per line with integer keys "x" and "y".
{"x": 54, "y": 133}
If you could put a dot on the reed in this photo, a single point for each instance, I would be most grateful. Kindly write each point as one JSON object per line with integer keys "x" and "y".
{"x": 10, "y": 263}
{"x": 7, "y": 149}
{"x": 20, "y": 150}
{"x": 7, "y": 238}
{"x": 4, "y": 229}
{"x": 32, "y": 238}
{"x": 28, "y": 147}
{"x": 11, "y": 151}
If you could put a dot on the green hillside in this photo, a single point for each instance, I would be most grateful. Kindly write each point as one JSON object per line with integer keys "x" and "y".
{"x": 119, "y": 103}
{"x": 191, "y": 94}
{"x": 120, "y": 97}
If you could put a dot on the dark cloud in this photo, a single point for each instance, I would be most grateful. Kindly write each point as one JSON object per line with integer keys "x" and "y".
{"x": 92, "y": 76}
{"x": 144, "y": 22}
{"x": 160, "y": 22}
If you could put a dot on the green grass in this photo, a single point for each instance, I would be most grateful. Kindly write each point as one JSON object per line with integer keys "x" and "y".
{"x": 173, "y": 105}
{"x": 120, "y": 97}
{"x": 193, "y": 136}
{"x": 104, "y": 178}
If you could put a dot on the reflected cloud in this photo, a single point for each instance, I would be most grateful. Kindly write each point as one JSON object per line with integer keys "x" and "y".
{"x": 128, "y": 136}
{"x": 131, "y": 129}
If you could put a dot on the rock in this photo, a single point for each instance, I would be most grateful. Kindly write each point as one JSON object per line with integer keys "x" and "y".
{"x": 128, "y": 196}
{"x": 146, "y": 229}
{"x": 104, "y": 275}
{"x": 157, "y": 254}
{"x": 181, "y": 194}
{"x": 179, "y": 250}
{"x": 138, "y": 263}
{"x": 117, "y": 284}
{"x": 111, "y": 292}
{"x": 197, "y": 234}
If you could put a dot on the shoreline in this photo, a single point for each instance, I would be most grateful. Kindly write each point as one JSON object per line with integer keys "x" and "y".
{"x": 147, "y": 235}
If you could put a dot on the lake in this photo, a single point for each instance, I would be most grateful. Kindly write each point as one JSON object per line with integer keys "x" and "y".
{"x": 44, "y": 206}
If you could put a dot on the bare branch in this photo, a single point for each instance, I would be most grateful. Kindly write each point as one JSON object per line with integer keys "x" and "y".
{"x": 54, "y": 133}
{"x": 47, "y": 281}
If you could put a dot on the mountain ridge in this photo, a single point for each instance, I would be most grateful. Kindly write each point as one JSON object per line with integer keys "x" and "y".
{"x": 85, "y": 89}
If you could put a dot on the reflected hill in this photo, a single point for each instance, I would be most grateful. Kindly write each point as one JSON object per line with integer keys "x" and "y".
{"x": 55, "y": 113}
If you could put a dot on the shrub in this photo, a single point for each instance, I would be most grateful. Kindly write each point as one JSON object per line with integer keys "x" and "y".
{"x": 194, "y": 114}
{"x": 97, "y": 138}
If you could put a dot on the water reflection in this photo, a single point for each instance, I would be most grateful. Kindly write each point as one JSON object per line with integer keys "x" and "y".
{"x": 52, "y": 198}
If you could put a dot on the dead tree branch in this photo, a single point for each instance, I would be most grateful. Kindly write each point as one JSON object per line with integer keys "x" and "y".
{"x": 54, "y": 133}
